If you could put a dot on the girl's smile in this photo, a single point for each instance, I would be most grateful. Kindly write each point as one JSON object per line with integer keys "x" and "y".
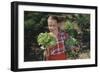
{"x": 53, "y": 26}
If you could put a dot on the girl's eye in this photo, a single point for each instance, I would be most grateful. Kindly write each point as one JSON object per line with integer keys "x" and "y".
{"x": 50, "y": 25}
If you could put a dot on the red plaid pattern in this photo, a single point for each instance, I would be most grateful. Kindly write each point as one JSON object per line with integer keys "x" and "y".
{"x": 59, "y": 48}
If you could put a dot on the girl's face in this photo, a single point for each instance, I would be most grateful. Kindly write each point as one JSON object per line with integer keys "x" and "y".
{"x": 52, "y": 25}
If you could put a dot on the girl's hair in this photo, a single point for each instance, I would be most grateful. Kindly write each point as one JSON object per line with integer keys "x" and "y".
{"x": 58, "y": 18}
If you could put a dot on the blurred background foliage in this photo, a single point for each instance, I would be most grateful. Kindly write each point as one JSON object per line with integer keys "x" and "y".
{"x": 36, "y": 22}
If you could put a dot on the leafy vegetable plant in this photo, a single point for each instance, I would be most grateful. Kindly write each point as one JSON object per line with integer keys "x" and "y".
{"x": 46, "y": 40}
{"x": 71, "y": 41}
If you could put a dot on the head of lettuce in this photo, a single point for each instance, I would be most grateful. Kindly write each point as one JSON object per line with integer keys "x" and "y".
{"x": 46, "y": 40}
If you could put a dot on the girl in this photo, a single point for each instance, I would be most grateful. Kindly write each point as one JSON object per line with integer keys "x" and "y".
{"x": 56, "y": 52}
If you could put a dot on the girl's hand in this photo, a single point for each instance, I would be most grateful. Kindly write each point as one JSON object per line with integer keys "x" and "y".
{"x": 54, "y": 35}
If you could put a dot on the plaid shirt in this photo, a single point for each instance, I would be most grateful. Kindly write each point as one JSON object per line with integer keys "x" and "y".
{"x": 59, "y": 48}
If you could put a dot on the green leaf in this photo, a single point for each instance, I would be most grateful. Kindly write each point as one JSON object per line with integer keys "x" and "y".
{"x": 46, "y": 40}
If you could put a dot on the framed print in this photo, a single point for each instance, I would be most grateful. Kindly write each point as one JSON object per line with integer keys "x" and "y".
{"x": 52, "y": 36}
